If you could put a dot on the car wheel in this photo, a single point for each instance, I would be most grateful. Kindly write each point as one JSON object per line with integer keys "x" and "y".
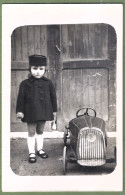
{"x": 65, "y": 160}
{"x": 65, "y": 137}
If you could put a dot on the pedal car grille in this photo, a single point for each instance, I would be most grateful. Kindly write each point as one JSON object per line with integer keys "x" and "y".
{"x": 91, "y": 147}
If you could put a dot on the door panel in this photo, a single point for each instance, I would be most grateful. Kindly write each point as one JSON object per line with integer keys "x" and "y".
{"x": 85, "y": 88}
{"x": 84, "y": 41}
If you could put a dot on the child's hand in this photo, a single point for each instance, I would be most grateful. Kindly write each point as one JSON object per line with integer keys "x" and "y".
{"x": 20, "y": 115}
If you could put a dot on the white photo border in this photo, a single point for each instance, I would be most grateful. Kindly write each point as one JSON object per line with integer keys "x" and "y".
{"x": 15, "y": 15}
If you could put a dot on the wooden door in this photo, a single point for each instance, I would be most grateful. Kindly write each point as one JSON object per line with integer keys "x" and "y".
{"x": 25, "y": 41}
{"x": 88, "y": 71}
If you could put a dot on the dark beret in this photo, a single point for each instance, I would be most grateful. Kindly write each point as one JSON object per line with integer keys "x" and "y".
{"x": 37, "y": 60}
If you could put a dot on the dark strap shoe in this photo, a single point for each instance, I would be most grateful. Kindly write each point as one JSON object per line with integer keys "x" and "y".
{"x": 43, "y": 154}
{"x": 32, "y": 159}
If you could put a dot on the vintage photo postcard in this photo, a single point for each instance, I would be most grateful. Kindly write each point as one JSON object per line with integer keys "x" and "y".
{"x": 62, "y": 67}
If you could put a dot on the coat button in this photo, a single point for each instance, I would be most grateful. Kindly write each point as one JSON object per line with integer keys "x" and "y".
{"x": 41, "y": 92}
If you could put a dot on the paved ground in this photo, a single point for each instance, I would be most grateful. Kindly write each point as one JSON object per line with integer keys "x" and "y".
{"x": 54, "y": 165}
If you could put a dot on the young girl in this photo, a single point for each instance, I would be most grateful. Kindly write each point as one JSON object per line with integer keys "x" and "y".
{"x": 36, "y": 104}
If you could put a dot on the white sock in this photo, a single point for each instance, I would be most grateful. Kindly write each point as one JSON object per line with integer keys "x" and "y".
{"x": 31, "y": 144}
{"x": 39, "y": 140}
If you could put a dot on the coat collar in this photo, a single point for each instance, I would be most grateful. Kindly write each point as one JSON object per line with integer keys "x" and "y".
{"x": 33, "y": 78}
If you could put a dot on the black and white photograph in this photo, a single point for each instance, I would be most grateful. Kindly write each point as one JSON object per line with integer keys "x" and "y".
{"x": 64, "y": 91}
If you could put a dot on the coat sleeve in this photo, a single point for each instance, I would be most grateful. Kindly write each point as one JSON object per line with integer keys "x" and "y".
{"x": 53, "y": 97}
{"x": 20, "y": 98}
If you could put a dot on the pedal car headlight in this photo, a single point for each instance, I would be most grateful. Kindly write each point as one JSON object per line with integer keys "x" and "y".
{"x": 91, "y": 137}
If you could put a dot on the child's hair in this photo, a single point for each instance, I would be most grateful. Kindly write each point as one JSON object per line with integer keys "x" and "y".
{"x": 29, "y": 75}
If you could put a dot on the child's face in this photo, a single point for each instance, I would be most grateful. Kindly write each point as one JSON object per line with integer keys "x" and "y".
{"x": 37, "y": 71}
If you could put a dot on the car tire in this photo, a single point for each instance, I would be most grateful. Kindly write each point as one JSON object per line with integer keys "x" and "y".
{"x": 65, "y": 137}
{"x": 65, "y": 160}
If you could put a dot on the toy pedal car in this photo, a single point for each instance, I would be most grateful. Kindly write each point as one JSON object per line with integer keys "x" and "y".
{"x": 88, "y": 140}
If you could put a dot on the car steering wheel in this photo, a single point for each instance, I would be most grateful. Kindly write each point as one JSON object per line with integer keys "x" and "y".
{"x": 86, "y": 112}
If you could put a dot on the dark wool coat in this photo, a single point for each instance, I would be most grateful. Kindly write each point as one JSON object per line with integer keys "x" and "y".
{"x": 36, "y": 100}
